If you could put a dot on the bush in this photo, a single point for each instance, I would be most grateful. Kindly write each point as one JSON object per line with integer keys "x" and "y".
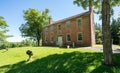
{"x": 24, "y": 43}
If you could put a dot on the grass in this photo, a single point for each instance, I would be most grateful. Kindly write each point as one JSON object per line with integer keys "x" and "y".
{"x": 55, "y": 60}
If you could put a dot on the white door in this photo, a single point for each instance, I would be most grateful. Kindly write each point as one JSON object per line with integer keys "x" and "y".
{"x": 60, "y": 42}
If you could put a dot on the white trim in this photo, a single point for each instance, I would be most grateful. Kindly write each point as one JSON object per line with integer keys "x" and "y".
{"x": 66, "y": 37}
{"x": 77, "y": 22}
{"x": 77, "y": 37}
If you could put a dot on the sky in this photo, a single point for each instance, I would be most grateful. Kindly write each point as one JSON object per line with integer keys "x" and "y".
{"x": 12, "y": 11}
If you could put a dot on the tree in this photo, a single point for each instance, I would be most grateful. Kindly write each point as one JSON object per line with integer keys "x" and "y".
{"x": 3, "y": 29}
{"x": 106, "y": 11}
{"x": 35, "y": 20}
{"x": 115, "y": 29}
{"x": 98, "y": 33}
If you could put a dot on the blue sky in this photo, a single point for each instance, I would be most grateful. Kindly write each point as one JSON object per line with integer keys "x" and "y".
{"x": 12, "y": 11}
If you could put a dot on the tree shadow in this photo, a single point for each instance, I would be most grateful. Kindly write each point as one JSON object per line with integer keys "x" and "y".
{"x": 13, "y": 67}
{"x": 74, "y": 62}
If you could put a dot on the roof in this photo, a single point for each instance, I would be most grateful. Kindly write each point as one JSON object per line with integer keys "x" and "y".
{"x": 71, "y": 17}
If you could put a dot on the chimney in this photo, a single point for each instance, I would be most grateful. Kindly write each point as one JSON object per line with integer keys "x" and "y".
{"x": 50, "y": 20}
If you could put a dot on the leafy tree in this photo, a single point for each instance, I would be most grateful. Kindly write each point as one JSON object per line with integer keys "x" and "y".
{"x": 27, "y": 42}
{"x": 3, "y": 29}
{"x": 105, "y": 10}
{"x": 35, "y": 20}
{"x": 98, "y": 33}
{"x": 115, "y": 29}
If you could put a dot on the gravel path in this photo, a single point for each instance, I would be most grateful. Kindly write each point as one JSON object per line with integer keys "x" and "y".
{"x": 100, "y": 49}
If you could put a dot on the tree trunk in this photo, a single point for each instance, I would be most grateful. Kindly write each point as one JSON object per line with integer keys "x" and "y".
{"x": 38, "y": 41}
{"x": 107, "y": 45}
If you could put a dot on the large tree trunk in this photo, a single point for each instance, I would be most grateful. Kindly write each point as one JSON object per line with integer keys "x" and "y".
{"x": 107, "y": 45}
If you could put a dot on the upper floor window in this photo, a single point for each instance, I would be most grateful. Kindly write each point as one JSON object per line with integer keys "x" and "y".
{"x": 59, "y": 27}
{"x": 68, "y": 38}
{"x": 68, "y": 25}
{"x": 46, "y": 29}
{"x": 79, "y": 37}
{"x": 79, "y": 22}
{"x": 52, "y": 28}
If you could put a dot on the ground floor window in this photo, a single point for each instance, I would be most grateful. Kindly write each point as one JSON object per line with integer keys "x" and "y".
{"x": 68, "y": 38}
{"x": 46, "y": 40}
{"x": 51, "y": 39}
{"x": 79, "y": 36}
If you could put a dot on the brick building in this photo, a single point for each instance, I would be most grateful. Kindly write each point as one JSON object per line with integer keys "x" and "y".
{"x": 77, "y": 30}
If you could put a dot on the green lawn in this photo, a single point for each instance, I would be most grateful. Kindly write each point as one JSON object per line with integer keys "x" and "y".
{"x": 55, "y": 60}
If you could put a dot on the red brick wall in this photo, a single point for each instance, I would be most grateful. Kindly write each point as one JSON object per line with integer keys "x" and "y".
{"x": 86, "y": 29}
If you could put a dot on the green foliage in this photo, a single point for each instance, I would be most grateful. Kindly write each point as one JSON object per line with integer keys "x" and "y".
{"x": 98, "y": 36}
{"x": 27, "y": 42}
{"x": 35, "y": 20}
{"x": 104, "y": 7}
{"x": 3, "y": 30}
{"x": 97, "y": 4}
{"x": 115, "y": 31}
{"x": 24, "y": 43}
{"x": 55, "y": 60}
{"x": 98, "y": 33}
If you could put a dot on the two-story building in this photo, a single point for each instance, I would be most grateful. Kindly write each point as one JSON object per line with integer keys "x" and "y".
{"x": 77, "y": 30}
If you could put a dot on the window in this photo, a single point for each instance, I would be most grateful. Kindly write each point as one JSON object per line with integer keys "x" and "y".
{"x": 46, "y": 40}
{"x": 59, "y": 27}
{"x": 51, "y": 39}
{"x": 79, "y": 36}
{"x": 46, "y": 29}
{"x": 68, "y": 25}
{"x": 52, "y": 28}
{"x": 79, "y": 22}
{"x": 68, "y": 38}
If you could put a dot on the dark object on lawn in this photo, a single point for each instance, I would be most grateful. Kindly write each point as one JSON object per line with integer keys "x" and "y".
{"x": 30, "y": 54}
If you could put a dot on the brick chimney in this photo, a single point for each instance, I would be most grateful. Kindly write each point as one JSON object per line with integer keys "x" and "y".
{"x": 50, "y": 20}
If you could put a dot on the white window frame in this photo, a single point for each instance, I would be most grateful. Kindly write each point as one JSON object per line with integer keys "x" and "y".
{"x": 77, "y": 22}
{"x": 58, "y": 27}
{"x": 77, "y": 37}
{"x": 70, "y": 37}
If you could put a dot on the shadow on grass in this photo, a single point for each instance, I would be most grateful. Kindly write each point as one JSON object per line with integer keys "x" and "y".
{"x": 74, "y": 62}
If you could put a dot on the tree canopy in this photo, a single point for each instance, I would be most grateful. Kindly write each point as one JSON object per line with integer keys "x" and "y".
{"x": 115, "y": 30}
{"x": 105, "y": 8}
{"x": 3, "y": 29}
{"x": 35, "y": 20}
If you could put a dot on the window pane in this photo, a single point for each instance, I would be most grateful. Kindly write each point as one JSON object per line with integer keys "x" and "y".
{"x": 68, "y": 24}
{"x": 46, "y": 40}
{"x": 59, "y": 27}
{"x": 52, "y": 28}
{"x": 68, "y": 38}
{"x": 46, "y": 29}
{"x": 79, "y": 36}
{"x": 52, "y": 38}
{"x": 79, "y": 22}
